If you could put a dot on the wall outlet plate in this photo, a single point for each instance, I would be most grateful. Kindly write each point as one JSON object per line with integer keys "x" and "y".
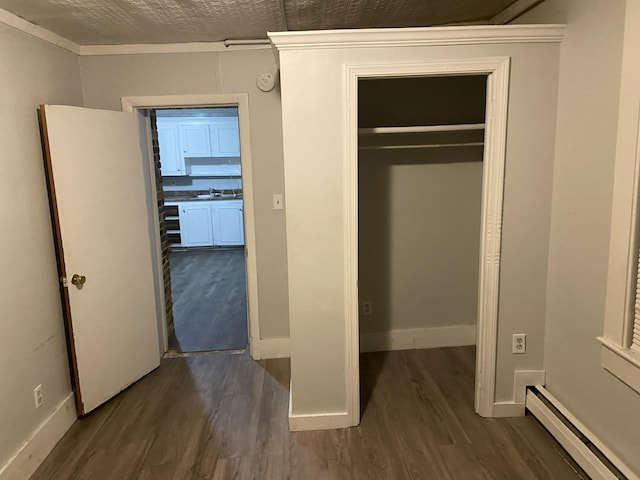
{"x": 519, "y": 343}
{"x": 367, "y": 307}
{"x": 38, "y": 396}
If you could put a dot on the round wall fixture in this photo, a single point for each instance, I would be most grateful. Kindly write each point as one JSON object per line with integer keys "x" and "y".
{"x": 266, "y": 82}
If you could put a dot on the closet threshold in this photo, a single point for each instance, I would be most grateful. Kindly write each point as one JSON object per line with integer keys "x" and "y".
{"x": 423, "y": 128}
{"x": 428, "y": 145}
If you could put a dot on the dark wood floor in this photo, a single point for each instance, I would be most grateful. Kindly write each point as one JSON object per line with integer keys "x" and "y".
{"x": 224, "y": 416}
{"x": 209, "y": 300}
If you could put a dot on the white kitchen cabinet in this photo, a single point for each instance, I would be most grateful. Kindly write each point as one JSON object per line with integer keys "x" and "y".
{"x": 171, "y": 158}
{"x": 196, "y": 228}
{"x": 225, "y": 137}
{"x": 228, "y": 227}
{"x": 195, "y": 139}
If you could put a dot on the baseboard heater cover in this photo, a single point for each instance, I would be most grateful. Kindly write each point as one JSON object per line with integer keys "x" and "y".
{"x": 597, "y": 461}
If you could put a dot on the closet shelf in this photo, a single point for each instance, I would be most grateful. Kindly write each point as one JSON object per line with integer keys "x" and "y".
{"x": 426, "y": 145}
{"x": 423, "y": 128}
{"x": 422, "y": 136}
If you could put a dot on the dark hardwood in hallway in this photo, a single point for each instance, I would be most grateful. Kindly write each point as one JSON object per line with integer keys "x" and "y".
{"x": 223, "y": 416}
{"x": 209, "y": 300}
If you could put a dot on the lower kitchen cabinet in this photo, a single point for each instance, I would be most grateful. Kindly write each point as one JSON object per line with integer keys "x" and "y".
{"x": 204, "y": 224}
{"x": 228, "y": 228}
{"x": 195, "y": 224}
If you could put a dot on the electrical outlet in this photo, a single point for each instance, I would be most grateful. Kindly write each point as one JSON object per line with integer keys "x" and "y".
{"x": 277, "y": 201}
{"x": 37, "y": 396}
{"x": 367, "y": 307}
{"x": 519, "y": 343}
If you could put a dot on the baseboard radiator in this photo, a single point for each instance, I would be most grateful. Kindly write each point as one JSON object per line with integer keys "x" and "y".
{"x": 594, "y": 458}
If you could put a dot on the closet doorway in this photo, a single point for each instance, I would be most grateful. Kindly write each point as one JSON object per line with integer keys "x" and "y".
{"x": 376, "y": 333}
{"x": 420, "y": 155}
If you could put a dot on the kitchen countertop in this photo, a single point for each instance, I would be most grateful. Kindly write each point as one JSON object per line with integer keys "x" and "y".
{"x": 193, "y": 197}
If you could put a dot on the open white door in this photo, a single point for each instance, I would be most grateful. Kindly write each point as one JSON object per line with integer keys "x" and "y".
{"x": 96, "y": 183}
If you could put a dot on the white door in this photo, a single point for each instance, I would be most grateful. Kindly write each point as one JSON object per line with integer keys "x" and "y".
{"x": 195, "y": 224}
{"x": 96, "y": 179}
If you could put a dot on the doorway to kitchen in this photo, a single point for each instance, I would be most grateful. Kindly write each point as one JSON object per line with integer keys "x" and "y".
{"x": 199, "y": 183}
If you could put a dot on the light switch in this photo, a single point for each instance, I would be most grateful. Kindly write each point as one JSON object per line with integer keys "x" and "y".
{"x": 277, "y": 201}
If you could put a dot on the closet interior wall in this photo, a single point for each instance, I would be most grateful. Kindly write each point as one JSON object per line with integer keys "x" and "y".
{"x": 419, "y": 211}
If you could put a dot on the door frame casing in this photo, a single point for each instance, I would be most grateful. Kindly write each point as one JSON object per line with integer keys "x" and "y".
{"x": 241, "y": 101}
{"x": 497, "y": 69}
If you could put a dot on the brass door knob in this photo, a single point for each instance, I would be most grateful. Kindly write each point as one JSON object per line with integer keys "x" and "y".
{"x": 78, "y": 279}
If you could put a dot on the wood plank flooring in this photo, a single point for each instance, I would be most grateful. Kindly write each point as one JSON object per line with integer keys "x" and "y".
{"x": 223, "y": 416}
{"x": 209, "y": 300}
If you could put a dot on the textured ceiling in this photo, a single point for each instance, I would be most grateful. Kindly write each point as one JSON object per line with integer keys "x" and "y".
{"x": 108, "y": 22}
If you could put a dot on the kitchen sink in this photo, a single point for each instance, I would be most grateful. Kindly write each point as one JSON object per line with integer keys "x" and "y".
{"x": 219, "y": 195}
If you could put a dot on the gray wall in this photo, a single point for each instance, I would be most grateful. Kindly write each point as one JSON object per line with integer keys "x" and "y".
{"x": 590, "y": 67}
{"x": 106, "y": 79}
{"x": 33, "y": 350}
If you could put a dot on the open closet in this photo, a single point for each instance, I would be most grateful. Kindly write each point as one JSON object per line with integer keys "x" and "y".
{"x": 420, "y": 170}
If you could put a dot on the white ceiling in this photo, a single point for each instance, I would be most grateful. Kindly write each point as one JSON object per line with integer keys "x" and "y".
{"x": 113, "y": 22}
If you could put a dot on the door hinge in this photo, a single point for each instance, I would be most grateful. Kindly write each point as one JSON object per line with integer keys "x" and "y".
{"x": 65, "y": 284}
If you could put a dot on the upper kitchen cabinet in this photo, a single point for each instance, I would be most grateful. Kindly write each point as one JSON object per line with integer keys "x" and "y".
{"x": 225, "y": 138}
{"x": 171, "y": 158}
{"x": 195, "y": 139}
{"x": 199, "y": 146}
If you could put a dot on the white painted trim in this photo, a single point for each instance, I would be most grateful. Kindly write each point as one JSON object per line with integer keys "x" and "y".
{"x": 146, "y": 48}
{"x": 526, "y": 378}
{"x": 29, "y": 28}
{"x": 622, "y": 363}
{"x": 417, "y": 37}
{"x": 513, "y": 11}
{"x": 521, "y": 380}
{"x": 497, "y": 69}
{"x": 350, "y": 241}
{"x": 318, "y": 421}
{"x": 129, "y": 104}
{"x": 410, "y": 339}
{"x": 507, "y": 410}
{"x": 265, "y": 348}
{"x": 589, "y": 462}
{"x": 36, "y": 448}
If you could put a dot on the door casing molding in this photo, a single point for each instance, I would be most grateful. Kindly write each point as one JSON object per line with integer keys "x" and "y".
{"x": 240, "y": 100}
{"x": 497, "y": 69}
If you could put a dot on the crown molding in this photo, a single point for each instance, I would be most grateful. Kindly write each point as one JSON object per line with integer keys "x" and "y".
{"x": 29, "y": 28}
{"x": 417, "y": 37}
{"x": 142, "y": 48}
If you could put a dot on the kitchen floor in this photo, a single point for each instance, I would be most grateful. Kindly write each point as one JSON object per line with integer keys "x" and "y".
{"x": 209, "y": 300}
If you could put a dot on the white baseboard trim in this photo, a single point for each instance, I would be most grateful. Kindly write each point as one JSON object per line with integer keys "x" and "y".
{"x": 507, "y": 409}
{"x": 583, "y": 456}
{"x": 318, "y": 421}
{"x": 35, "y": 449}
{"x": 526, "y": 378}
{"x": 521, "y": 380}
{"x": 410, "y": 339}
{"x": 265, "y": 348}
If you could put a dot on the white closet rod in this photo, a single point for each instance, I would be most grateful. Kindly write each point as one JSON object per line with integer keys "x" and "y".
{"x": 424, "y": 128}
{"x": 402, "y": 147}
